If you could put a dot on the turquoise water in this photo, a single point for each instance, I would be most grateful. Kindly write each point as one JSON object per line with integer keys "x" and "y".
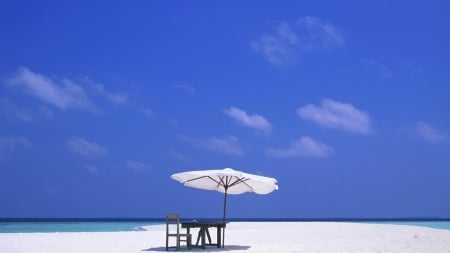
{"x": 430, "y": 224}
{"x": 52, "y": 226}
{"x": 114, "y": 226}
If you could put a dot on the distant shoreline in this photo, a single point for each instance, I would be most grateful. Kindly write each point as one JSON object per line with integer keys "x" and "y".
{"x": 28, "y": 225}
{"x": 209, "y": 218}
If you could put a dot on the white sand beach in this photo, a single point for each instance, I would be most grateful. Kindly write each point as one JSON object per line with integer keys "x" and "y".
{"x": 246, "y": 237}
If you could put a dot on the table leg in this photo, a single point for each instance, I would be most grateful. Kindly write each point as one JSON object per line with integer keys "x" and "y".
{"x": 219, "y": 237}
{"x": 207, "y": 234}
{"x": 203, "y": 237}
{"x": 199, "y": 236}
{"x": 188, "y": 231}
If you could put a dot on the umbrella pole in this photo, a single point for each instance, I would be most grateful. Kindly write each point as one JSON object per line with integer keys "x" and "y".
{"x": 224, "y": 215}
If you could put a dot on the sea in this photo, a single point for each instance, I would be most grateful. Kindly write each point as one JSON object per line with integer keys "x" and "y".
{"x": 40, "y": 225}
{"x": 74, "y": 225}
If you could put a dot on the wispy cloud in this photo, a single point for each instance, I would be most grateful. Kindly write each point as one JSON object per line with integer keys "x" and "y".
{"x": 278, "y": 48}
{"x": 303, "y": 147}
{"x": 254, "y": 121}
{"x": 63, "y": 94}
{"x": 148, "y": 112}
{"x": 429, "y": 133}
{"x": 412, "y": 68}
{"x": 316, "y": 33}
{"x": 337, "y": 115}
{"x": 393, "y": 69}
{"x": 113, "y": 97}
{"x": 290, "y": 39}
{"x": 137, "y": 166}
{"x": 13, "y": 112}
{"x": 227, "y": 145}
{"x": 91, "y": 169}
{"x": 10, "y": 145}
{"x": 382, "y": 69}
{"x": 185, "y": 87}
{"x": 86, "y": 148}
{"x": 180, "y": 157}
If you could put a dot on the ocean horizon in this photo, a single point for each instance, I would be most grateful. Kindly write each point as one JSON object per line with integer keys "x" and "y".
{"x": 55, "y": 225}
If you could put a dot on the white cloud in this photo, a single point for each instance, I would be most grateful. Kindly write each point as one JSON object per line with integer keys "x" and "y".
{"x": 278, "y": 48}
{"x": 429, "y": 133}
{"x": 307, "y": 34}
{"x": 10, "y": 145}
{"x": 228, "y": 145}
{"x": 303, "y": 147}
{"x": 254, "y": 121}
{"x": 86, "y": 148}
{"x": 63, "y": 94}
{"x": 337, "y": 115}
{"x": 116, "y": 98}
{"x": 137, "y": 166}
{"x": 316, "y": 33}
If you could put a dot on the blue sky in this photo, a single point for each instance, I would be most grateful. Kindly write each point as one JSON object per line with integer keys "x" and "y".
{"x": 345, "y": 103}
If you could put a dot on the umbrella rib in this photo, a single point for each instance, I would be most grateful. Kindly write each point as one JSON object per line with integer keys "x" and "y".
{"x": 219, "y": 182}
{"x": 239, "y": 180}
{"x": 242, "y": 180}
{"x": 193, "y": 179}
{"x": 197, "y": 178}
{"x": 224, "y": 181}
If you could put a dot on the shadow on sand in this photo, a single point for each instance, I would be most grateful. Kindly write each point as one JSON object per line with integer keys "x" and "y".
{"x": 208, "y": 249}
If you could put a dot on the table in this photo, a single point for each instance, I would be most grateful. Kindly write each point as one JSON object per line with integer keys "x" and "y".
{"x": 204, "y": 232}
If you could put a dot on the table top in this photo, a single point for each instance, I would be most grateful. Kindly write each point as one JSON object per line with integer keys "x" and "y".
{"x": 202, "y": 223}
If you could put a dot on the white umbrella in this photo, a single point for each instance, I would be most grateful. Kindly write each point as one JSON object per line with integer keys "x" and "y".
{"x": 227, "y": 181}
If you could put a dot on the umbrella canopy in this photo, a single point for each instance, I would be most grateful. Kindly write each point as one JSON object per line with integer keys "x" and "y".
{"x": 227, "y": 181}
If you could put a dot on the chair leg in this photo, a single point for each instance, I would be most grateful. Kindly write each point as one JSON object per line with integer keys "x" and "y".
{"x": 178, "y": 242}
{"x": 189, "y": 241}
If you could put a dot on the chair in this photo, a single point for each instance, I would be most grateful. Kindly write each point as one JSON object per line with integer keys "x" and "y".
{"x": 173, "y": 230}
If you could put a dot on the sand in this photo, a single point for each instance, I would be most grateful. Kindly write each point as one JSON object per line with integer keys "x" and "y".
{"x": 246, "y": 237}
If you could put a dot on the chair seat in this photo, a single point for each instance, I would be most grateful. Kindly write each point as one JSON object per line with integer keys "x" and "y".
{"x": 179, "y": 234}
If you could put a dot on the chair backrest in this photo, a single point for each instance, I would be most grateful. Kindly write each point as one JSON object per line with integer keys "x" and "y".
{"x": 172, "y": 219}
